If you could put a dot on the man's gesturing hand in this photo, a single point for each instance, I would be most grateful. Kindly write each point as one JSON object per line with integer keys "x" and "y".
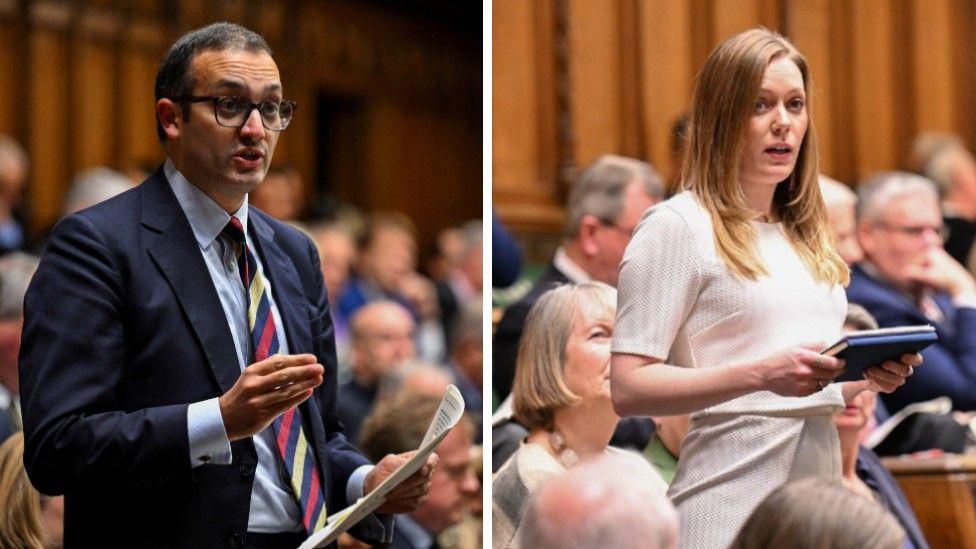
{"x": 267, "y": 389}
{"x": 411, "y": 493}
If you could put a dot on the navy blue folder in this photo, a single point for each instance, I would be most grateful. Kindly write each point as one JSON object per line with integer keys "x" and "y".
{"x": 869, "y": 348}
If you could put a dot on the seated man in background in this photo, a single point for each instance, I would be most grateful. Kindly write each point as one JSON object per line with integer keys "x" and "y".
{"x": 382, "y": 337}
{"x": 605, "y": 502}
{"x": 337, "y": 255}
{"x": 953, "y": 170}
{"x": 400, "y": 422}
{"x": 907, "y": 278}
{"x": 605, "y": 204}
{"x": 841, "y": 205}
{"x": 16, "y": 270}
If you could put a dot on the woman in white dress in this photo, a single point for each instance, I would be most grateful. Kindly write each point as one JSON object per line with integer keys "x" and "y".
{"x": 729, "y": 290}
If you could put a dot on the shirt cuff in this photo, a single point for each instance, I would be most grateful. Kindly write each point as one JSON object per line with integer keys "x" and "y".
{"x": 354, "y": 487}
{"x": 208, "y": 438}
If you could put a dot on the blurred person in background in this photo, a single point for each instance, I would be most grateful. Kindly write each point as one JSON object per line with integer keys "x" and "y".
{"x": 16, "y": 270}
{"x": 861, "y": 469}
{"x": 14, "y": 166}
{"x": 815, "y": 514}
{"x": 468, "y": 533}
{"x": 415, "y": 376}
{"x": 466, "y": 361}
{"x": 450, "y": 247}
{"x": 28, "y": 519}
{"x": 92, "y": 186}
{"x": 506, "y": 257}
{"x": 605, "y": 204}
{"x": 462, "y": 285}
{"x": 665, "y": 445}
{"x": 562, "y": 395}
{"x": 400, "y": 423}
{"x": 382, "y": 336}
{"x": 606, "y": 502}
{"x": 337, "y": 255}
{"x": 841, "y": 202}
{"x": 907, "y": 278}
{"x": 953, "y": 170}
{"x": 387, "y": 255}
{"x": 281, "y": 194}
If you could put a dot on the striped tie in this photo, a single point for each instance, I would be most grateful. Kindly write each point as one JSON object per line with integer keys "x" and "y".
{"x": 287, "y": 428}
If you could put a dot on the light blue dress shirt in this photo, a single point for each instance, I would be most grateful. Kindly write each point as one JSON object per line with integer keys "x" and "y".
{"x": 273, "y": 506}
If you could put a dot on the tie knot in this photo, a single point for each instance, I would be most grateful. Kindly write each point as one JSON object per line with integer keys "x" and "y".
{"x": 234, "y": 231}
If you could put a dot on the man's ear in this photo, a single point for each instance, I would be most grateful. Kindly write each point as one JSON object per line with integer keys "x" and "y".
{"x": 586, "y": 234}
{"x": 170, "y": 117}
{"x": 865, "y": 237}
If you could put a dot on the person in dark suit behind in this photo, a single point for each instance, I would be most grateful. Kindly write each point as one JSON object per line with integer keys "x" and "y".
{"x": 171, "y": 407}
{"x": 908, "y": 278}
{"x": 604, "y": 206}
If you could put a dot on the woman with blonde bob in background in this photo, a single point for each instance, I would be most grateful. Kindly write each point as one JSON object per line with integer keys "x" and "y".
{"x": 814, "y": 514}
{"x": 561, "y": 394}
{"x": 729, "y": 290}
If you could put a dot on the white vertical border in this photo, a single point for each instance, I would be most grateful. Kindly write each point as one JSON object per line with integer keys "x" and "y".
{"x": 486, "y": 215}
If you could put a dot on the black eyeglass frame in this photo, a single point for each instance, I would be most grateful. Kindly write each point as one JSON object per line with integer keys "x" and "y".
{"x": 247, "y": 113}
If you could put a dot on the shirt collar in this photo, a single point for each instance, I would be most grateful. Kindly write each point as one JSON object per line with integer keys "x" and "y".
{"x": 568, "y": 267}
{"x": 206, "y": 217}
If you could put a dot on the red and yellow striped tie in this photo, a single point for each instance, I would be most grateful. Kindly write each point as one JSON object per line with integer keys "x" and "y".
{"x": 290, "y": 438}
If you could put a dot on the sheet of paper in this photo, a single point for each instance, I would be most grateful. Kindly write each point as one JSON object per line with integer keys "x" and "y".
{"x": 448, "y": 414}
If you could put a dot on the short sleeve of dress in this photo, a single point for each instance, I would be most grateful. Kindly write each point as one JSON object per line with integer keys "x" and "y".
{"x": 660, "y": 277}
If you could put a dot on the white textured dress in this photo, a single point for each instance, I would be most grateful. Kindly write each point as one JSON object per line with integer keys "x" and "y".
{"x": 678, "y": 301}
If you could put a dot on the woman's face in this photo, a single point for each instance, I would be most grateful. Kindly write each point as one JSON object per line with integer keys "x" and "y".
{"x": 587, "y": 368}
{"x": 777, "y": 126}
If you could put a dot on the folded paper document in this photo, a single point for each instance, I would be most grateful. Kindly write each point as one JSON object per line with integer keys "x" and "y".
{"x": 448, "y": 414}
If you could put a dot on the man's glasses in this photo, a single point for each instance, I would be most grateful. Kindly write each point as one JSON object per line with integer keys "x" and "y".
{"x": 233, "y": 112}
{"x": 916, "y": 231}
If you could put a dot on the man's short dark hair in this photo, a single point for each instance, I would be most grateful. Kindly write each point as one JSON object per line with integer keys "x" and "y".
{"x": 174, "y": 80}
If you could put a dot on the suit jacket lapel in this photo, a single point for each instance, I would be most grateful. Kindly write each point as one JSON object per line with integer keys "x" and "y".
{"x": 174, "y": 249}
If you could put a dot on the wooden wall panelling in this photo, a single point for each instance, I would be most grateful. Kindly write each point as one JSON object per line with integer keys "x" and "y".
{"x": 807, "y": 24}
{"x": 961, "y": 27}
{"x": 632, "y": 132}
{"x": 12, "y": 95}
{"x": 48, "y": 137}
{"x": 933, "y": 75}
{"x": 93, "y": 101}
{"x": 142, "y": 49}
{"x": 667, "y": 72}
{"x": 524, "y": 123}
{"x": 595, "y": 79}
{"x": 874, "y": 80}
{"x": 730, "y": 17}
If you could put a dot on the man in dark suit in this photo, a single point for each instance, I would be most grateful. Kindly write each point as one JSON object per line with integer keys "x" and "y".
{"x": 605, "y": 204}
{"x": 907, "y": 278}
{"x": 161, "y": 381}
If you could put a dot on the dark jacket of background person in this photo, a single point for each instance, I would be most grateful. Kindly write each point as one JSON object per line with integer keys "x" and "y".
{"x": 509, "y": 331}
{"x": 122, "y": 329}
{"x": 889, "y": 494}
{"x": 950, "y": 364}
{"x": 506, "y": 258}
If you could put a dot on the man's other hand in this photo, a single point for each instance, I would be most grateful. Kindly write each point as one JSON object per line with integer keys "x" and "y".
{"x": 412, "y": 493}
{"x": 267, "y": 389}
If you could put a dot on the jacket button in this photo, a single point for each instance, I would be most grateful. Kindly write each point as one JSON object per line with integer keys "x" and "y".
{"x": 247, "y": 469}
{"x": 235, "y": 541}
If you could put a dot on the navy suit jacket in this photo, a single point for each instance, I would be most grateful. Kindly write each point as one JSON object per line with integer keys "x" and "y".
{"x": 123, "y": 329}
{"x": 950, "y": 364}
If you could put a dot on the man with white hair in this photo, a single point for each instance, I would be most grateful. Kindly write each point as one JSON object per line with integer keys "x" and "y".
{"x": 607, "y": 502}
{"x": 907, "y": 278}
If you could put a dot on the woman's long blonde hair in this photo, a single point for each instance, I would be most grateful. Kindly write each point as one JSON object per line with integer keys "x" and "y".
{"x": 20, "y": 503}
{"x": 725, "y": 95}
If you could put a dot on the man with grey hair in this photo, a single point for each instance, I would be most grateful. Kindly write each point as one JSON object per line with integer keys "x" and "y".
{"x": 606, "y": 502}
{"x": 13, "y": 178}
{"x": 953, "y": 169}
{"x": 604, "y": 206}
{"x": 16, "y": 270}
{"x": 907, "y": 278}
{"x": 93, "y": 186}
{"x": 841, "y": 203}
